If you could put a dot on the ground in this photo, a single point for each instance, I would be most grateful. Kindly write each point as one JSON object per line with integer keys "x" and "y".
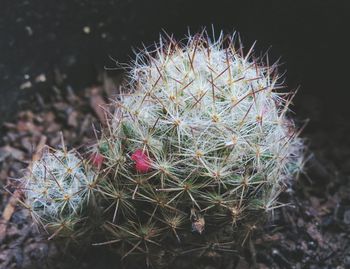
{"x": 312, "y": 231}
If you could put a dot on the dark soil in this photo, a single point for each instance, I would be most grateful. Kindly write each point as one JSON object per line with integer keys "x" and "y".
{"x": 313, "y": 231}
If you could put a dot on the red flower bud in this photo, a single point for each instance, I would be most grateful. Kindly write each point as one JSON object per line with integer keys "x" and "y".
{"x": 142, "y": 161}
{"x": 97, "y": 159}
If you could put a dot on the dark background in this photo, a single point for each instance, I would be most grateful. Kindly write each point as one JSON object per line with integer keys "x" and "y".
{"x": 38, "y": 37}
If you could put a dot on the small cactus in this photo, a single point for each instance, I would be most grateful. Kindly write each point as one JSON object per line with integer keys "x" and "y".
{"x": 199, "y": 148}
{"x": 57, "y": 188}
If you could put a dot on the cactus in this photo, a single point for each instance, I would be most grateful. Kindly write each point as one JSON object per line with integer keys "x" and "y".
{"x": 58, "y": 187}
{"x": 195, "y": 155}
{"x": 197, "y": 151}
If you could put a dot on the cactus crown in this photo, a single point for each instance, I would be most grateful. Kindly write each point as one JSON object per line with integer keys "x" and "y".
{"x": 200, "y": 143}
{"x": 57, "y": 188}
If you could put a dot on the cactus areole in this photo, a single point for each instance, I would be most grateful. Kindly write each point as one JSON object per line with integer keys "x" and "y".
{"x": 198, "y": 150}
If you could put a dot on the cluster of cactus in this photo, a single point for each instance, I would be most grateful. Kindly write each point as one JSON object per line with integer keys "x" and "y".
{"x": 197, "y": 151}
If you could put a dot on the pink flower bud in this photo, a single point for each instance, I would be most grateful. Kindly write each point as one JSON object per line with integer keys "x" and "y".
{"x": 142, "y": 161}
{"x": 97, "y": 159}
